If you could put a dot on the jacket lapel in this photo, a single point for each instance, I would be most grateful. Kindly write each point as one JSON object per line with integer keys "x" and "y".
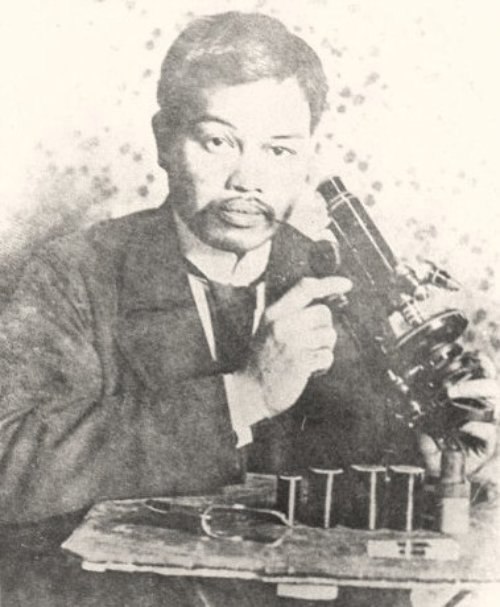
{"x": 159, "y": 330}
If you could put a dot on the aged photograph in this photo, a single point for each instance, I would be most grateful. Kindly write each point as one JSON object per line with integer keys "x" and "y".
{"x": 249, "y": 304}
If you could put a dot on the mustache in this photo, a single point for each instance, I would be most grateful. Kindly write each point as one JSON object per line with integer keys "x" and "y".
{"x": 254, "y": 201}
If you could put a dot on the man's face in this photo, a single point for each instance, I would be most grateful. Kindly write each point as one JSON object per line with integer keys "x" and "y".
{"x": 238, "y": 163}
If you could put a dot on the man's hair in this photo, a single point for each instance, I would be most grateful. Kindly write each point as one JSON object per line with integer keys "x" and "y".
{"x": 235, "y": 48}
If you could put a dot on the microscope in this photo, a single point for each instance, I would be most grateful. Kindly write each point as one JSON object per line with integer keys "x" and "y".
{"x": 414, "y": 357}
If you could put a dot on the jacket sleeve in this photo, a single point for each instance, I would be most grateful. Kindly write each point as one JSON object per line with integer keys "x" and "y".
{"x": 65, "y": 441}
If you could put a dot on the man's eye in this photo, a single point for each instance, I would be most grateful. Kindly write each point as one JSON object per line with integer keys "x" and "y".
{"x": 279, "y": 150}
{"x": 214, "y": 144}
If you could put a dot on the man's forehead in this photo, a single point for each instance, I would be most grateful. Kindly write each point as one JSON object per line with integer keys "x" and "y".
{"x": 269, "y": 107}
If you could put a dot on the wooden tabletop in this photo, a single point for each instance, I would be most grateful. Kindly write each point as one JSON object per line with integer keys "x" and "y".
{"x": 115, "y": 536}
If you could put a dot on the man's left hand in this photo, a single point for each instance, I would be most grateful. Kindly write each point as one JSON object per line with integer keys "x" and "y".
{"x": 483, "y": 434}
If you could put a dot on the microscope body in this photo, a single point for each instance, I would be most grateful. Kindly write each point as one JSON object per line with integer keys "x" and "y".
{"x": 412, "y": 357}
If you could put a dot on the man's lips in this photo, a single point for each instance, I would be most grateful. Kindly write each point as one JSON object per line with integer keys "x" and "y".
{"x": 248, "y": 206}
{"x": 242, "y": 212}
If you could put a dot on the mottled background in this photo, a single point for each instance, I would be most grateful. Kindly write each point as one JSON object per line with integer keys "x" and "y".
{"x": 413, "y": 126}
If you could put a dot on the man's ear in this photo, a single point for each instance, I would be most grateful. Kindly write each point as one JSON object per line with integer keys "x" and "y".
{"x": 163, "y": 138}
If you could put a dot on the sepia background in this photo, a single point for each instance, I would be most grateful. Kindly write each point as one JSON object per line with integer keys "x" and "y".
{"x": 413, "y": 124}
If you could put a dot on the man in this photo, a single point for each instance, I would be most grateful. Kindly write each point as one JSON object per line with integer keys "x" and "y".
{"x": 133, "y": 360}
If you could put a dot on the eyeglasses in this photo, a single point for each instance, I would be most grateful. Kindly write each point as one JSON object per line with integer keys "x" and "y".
{"x": 234, "y": 522}
{"x": 238, "y": 523}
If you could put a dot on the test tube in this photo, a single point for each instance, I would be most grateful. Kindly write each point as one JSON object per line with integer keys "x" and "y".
{"x": 288, "y": 495}
{"x": 405, "y": 504}
{"x": 321, "y": 497}
{"x": 453, "y": 494}
{"x": 452, "y": 466}
{"x": 368, "y": 495}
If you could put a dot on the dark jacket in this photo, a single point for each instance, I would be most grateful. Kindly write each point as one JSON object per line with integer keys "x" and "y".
{"x": 108, "y": 389}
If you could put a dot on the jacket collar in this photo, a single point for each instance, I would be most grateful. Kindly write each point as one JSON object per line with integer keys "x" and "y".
{"x": 154, "y": 274}
{"x": 221, "y": 266}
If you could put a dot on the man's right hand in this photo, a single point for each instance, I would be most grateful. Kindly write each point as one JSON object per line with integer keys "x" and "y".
{"x": 295, "y": 339}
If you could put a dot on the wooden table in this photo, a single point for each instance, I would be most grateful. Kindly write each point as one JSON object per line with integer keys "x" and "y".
{"x": 309, "y": 562}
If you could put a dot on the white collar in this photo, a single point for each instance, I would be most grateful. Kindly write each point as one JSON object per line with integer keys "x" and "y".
{"x": 218, "y": 265}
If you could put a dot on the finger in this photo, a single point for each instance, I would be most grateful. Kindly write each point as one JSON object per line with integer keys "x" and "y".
{"x": 315, "y": 339}
{"x": 319, "y": 360}
{"x": 431, "y": 453}
{"x": 294, "y": 327}
{"x": 475, "y": 388}
{"x": 327, "y": 338}
{"x": 483, "y": 435}
{"x": 484, "y": 431}
{"x": 315, "y": 317}
{"x": 487, "y": 366}
{"x": 305, "y": 292}
{"x": 482, "y": 447}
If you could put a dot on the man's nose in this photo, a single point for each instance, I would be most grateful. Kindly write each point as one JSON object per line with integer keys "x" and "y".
{"x": 246, "y": 175}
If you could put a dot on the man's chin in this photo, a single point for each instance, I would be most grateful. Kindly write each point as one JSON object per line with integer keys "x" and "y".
{"x": 239, "y": 241}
